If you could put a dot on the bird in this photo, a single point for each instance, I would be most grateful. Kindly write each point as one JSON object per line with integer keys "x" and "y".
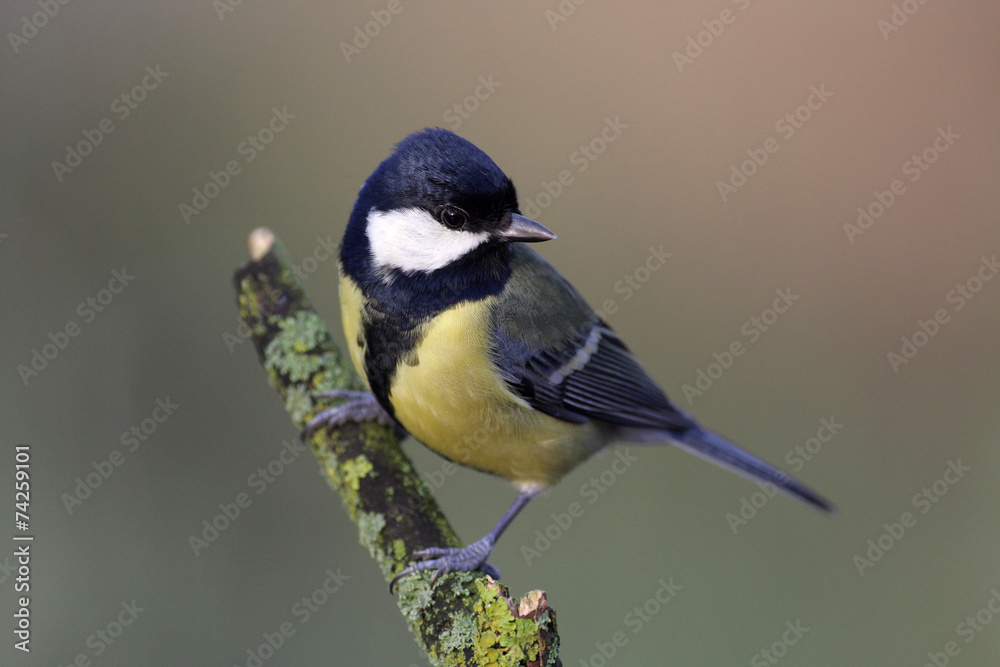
{"x": 472, "y": 343}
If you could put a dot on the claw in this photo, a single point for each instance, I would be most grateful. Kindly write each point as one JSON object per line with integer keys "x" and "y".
{"x": 358, "y": 407}
{"x": 466, "y": 559}
{"x": 442, "y": 561}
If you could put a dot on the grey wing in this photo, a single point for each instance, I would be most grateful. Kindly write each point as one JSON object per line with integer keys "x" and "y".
{"x": 561, "y": 358}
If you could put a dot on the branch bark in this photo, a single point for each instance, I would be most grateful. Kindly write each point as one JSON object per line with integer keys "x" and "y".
{"x": 467, "y": 618}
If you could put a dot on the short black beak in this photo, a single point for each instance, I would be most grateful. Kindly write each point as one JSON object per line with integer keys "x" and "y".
{"x": 525, "y": 230}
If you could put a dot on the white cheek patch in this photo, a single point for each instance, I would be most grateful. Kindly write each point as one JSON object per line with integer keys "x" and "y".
{"x": 411, "y": 240}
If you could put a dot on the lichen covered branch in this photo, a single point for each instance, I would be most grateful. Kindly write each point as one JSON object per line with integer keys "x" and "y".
{"x": 467, "y": 618}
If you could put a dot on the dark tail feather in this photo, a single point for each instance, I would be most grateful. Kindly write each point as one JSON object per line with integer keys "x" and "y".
{"x": 723, "y": 453}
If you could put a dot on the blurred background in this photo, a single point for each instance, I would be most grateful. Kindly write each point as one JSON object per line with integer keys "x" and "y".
{"x": 843, "y": 155}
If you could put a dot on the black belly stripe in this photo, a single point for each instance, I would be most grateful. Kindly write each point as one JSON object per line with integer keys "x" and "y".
{"x": 388, "y": 342}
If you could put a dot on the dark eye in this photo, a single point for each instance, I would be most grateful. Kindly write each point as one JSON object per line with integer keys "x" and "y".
{"x": 453, "y": 218}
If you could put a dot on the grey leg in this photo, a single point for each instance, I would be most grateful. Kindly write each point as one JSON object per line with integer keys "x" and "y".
{"x": 466, "y": 559}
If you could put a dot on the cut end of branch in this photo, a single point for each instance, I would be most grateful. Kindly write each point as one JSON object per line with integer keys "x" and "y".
{"x": 260, "y": 242}
{"x": 532, "y": 604}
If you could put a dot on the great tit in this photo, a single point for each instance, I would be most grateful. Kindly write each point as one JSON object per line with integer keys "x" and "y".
{"x": 480, "y": 349}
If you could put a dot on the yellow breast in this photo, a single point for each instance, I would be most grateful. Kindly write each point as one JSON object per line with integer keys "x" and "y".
{"x": 453, "y": 400}
{"x": 351, "y": 304}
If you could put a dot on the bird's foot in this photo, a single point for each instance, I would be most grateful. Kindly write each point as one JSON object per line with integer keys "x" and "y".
{"x": 357, "y": 407}
{"x": 467, "y": 559}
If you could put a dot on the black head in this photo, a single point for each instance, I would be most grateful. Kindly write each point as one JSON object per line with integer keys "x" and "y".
{"x": 439, "y": 171}
{"x": 434, "y": 202}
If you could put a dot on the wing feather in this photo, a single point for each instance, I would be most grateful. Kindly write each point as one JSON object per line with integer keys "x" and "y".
{"x": 564, "y": 360}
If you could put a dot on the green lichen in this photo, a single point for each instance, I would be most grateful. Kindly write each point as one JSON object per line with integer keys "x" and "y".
{"x": 546, "y": 625}
{"x": 345, "y": 477}
{"x": 249, "y": 305}
{"x": 299, "y": 404}
{"x": 460, "y": 636}
{"x": 399, "y": 550}
{"x": 287, "y": 353}
{"x": 330, "y": 463}
{"x": 415, "y": 595}
{"x": 460, "y": 582}
{"x": 502, "y": 639}
{"x": 331, "y": 472}
{"x": 336, "y": 375}
{"x": 370, "y": 525}
{"x": 355, "y": 470}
